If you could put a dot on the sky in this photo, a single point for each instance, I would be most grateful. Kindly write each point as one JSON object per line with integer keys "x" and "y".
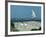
{"x": 18, "y": 11}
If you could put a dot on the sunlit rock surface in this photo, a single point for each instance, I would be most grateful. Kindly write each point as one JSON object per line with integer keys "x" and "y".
{"x": 27, "y": 26}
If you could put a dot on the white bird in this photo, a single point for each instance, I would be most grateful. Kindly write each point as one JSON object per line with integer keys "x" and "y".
{"x": 33, "y": 14}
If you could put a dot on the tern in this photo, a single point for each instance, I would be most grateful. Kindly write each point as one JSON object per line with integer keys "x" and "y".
{"x": 33, "y": 14}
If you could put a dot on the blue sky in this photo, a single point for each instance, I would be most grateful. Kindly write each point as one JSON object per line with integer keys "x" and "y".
{"x": 25, "y": 11}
